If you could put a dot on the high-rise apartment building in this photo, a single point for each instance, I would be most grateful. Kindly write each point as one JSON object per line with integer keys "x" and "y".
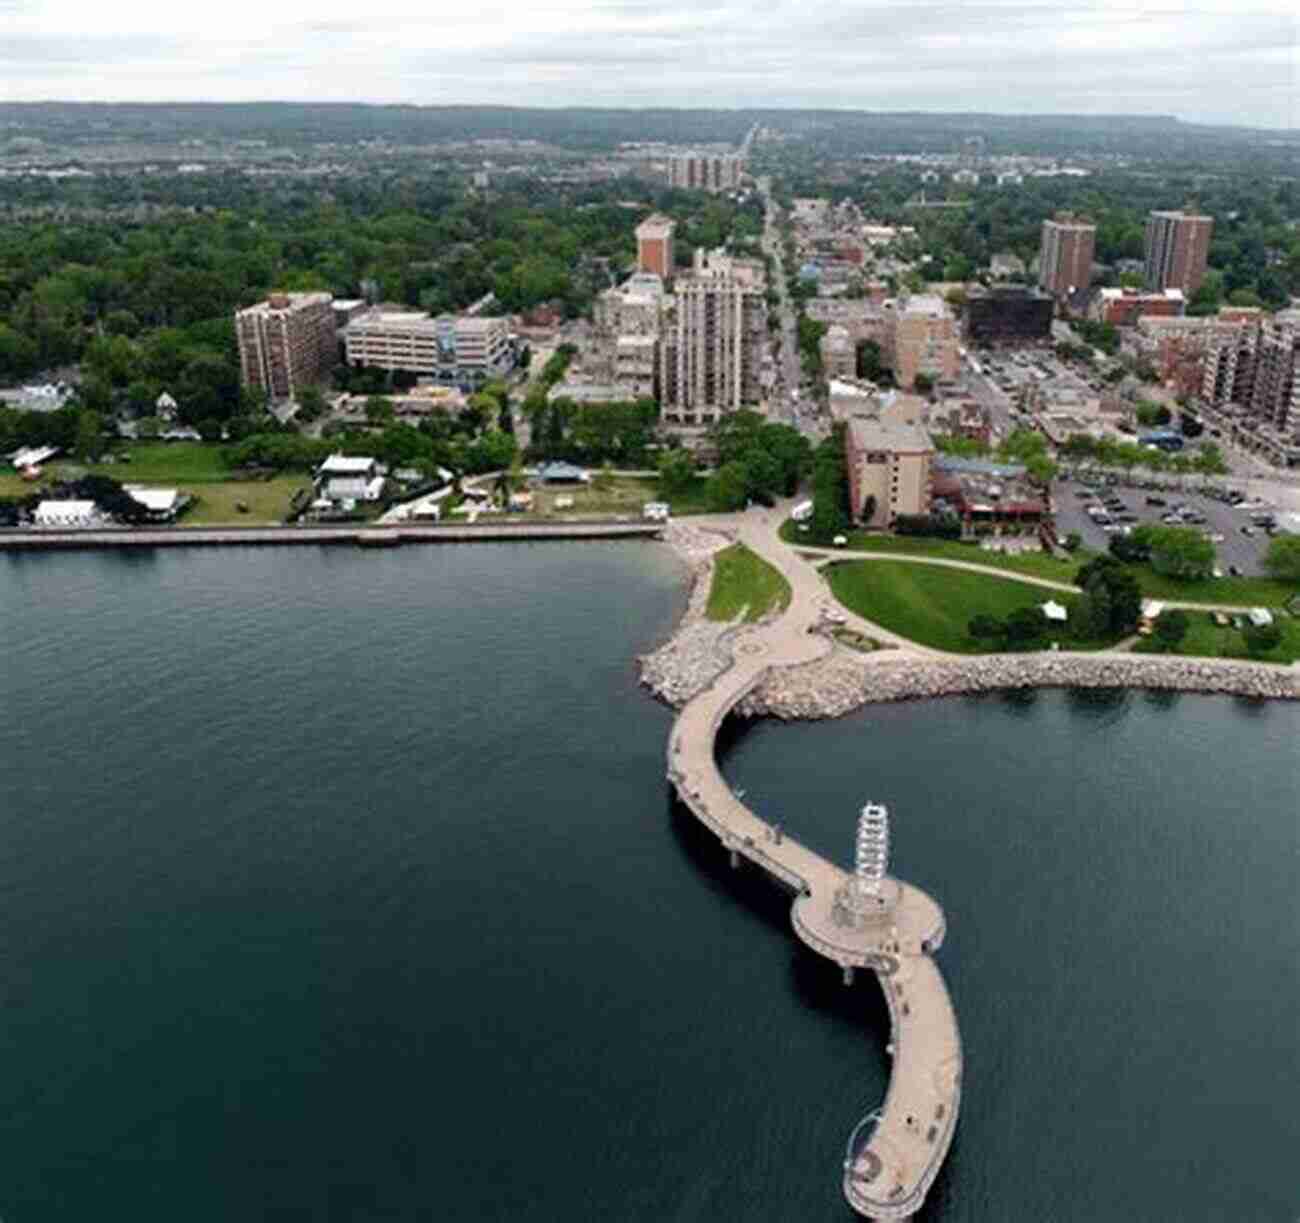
{"x": 1275, "y": 395}
{"x": 654, "y": 246}
{"x": 713, "y": 334}
{"x": 1065, "y": 254}
{"x": 286, "y": 342}
{"x": 1177, "y": 250}
{"x": 705, "y": 171}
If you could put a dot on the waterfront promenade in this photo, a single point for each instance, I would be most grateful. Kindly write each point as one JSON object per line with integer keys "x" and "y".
{"x": 37, "y": 540}
{"x": 894, "y": 1157}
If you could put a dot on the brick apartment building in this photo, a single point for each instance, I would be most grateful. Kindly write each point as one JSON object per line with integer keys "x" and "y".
{"x": 1065, "y": 255}
{"x": 286, "y": 343}
{"x": 1177, "y": 250}
{"x": 654, "y": 246}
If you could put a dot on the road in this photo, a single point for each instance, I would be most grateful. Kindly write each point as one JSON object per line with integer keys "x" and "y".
{"x": 788, "y": 404}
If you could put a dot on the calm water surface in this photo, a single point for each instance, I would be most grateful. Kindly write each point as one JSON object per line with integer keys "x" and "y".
{"x": 345, "y": 886}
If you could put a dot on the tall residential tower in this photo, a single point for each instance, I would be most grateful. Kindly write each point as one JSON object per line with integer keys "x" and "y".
{"x": 1177, "y": 250}
{"x": 1065, "y": 255}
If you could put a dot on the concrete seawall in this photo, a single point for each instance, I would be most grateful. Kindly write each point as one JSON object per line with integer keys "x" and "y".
{"x": 38, "y": 540}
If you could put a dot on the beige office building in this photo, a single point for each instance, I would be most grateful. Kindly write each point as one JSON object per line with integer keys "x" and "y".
{"x": 462, "y": 346}
{"x": 892, "y": 465}
{"x": 1065, "y": 254}
{"x": 714, "y": 329}
{"x": 286, "y": 343}
{"x": 921, "y": 338}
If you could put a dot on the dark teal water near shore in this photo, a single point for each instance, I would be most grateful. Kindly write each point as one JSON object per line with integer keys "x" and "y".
{"x": 346, "y": 886}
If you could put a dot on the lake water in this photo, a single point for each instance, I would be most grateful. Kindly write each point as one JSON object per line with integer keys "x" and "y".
{"x": 345, "y": 885}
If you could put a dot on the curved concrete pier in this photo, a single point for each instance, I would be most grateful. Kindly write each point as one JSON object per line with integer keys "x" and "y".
{"x": 893, "y": 1160}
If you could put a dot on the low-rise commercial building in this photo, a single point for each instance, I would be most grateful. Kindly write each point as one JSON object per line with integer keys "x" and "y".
{"x": 890, "y": 470}
{"x": 1123, "y": 307}
{"x": 1008, "y": 314}
{"x": 450, "y": 348}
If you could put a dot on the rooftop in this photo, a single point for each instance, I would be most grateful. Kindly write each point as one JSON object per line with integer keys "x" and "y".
{"x": 877, "y": 435}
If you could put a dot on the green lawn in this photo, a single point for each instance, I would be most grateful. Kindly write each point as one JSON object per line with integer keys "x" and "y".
{"x": 166, "y": 463}
{"x": 1243, "y": 592}
{"x": 1032, "y": 564}
{"x": 267, "y": 501}
{"x": 745, "y": 582}
{"x": 1205, "y": 639}
{"x": 932, "y": 605}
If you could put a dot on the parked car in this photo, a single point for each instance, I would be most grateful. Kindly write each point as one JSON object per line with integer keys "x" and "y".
{"x": 1156, "y": 501}
{"x": 1248, "y": 530}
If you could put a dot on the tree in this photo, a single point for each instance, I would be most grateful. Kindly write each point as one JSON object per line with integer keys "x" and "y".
{"x": 311, "y": 404}
{"x": 1260, "y": 638}
{"x": 1025, "y": 624}
{"x": 984, "y": 627}
{"x": 1092, "y": 614}
{"x": 1178, "y": 552}
{"x": 1171, "y": 627}
{"x": 1073, "y": 541}
{"x": 379, "y": 411}
{"x": 726, "y": 487}
{"x": 1190, "y": 425}
{"x": 869, "y": 508}
{"x": 209, "y": 429}
{"x": 1121, "y": 587}
{"x": 1282, "y": 560}
{"x": 676, "y": 473}
{"x": 830, "y": 487}
{"x": 870, "y": 362}
{"x": 90, "y": 435}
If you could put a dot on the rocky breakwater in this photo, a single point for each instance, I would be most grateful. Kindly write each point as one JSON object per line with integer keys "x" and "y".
{"x": 833, "y": 686}
{"x": 697, "y": 652}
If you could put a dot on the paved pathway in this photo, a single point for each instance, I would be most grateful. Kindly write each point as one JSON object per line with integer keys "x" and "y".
{"x": 896, "y": 1161}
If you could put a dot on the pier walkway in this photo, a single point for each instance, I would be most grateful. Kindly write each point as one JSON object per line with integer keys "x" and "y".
{"x": 893, "y": 1156}
{"x": 40, "y": 539}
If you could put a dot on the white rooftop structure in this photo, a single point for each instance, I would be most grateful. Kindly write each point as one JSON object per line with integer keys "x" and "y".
{"x": 67, "y": 514}
{"x": 1055, "y": 611}
{"x": 32, "y": 456}
{"x": 155, "y": 500}
{"x": 1260, "y": 617}
{"x": 346, "y": 465}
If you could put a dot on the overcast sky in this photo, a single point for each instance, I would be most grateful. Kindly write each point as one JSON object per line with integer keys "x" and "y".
{"x": 1212, "y": 61}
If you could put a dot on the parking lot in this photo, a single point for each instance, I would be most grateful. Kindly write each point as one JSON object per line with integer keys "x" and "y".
{"x": 1235, "y": 549}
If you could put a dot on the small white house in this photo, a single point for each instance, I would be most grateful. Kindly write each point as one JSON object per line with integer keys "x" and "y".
{"x": 163, "y": 504}
{"x": 349, "y": 478}
{"x": 1260, "y": 617}
{"x": 67, "y": 514}
{"x": 1055, "y": 612}
{"x": 32, "y": 456}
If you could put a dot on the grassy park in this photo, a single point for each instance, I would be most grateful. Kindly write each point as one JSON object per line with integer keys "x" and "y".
{"x": 1243, "y": 592}
{"x": 1205, "y": 639}
{"x": 744, "y": 582}
{"x": 932, "y": 605}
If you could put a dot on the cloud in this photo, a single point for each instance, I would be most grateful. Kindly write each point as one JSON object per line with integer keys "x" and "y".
{"x": 1218, "y": 60}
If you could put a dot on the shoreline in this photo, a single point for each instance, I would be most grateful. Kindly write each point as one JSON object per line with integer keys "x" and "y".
{"x": 843, "y": 680}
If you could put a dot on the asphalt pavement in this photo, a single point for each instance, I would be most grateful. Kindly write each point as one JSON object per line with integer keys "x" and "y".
{"x": 1246, "y": 552}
